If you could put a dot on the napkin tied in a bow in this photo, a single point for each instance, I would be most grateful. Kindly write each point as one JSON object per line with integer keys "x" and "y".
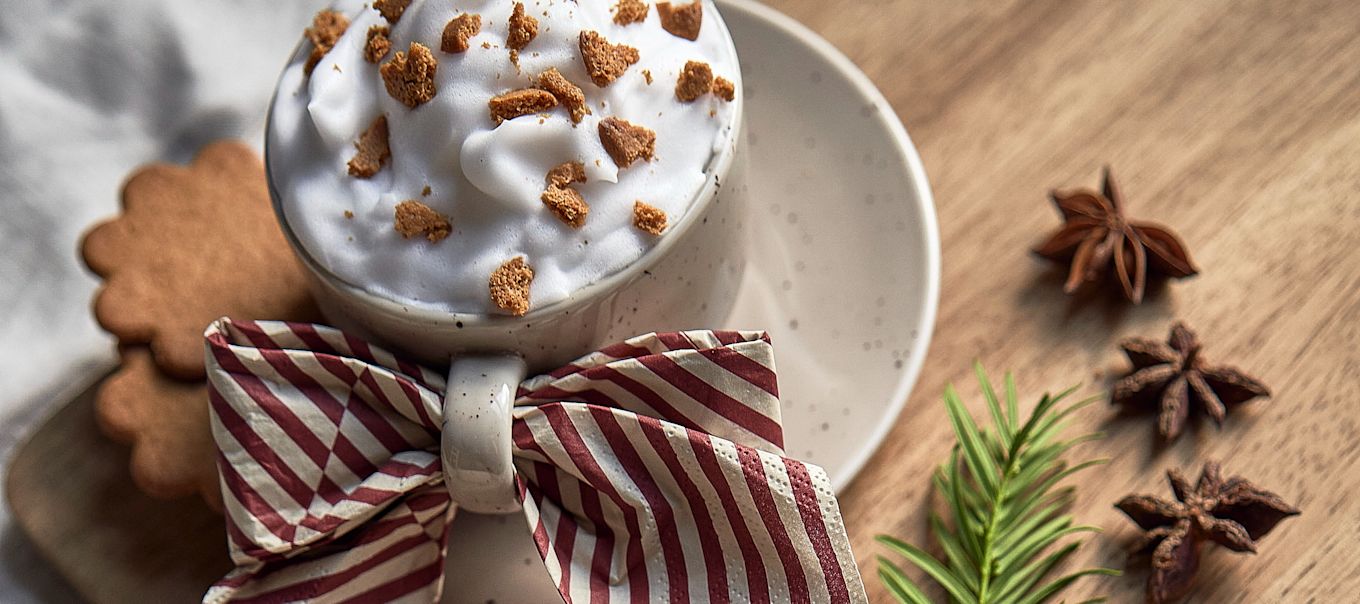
{"x": 650, "y": 471}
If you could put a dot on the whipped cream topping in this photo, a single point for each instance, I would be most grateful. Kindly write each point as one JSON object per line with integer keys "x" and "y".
{"x": 487, "y": 178}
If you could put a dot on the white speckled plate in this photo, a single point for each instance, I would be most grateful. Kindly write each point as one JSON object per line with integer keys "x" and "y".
{"x": 844, "y": 273}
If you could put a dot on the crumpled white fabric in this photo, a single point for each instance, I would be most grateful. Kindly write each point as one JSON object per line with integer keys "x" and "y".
{"x": 89, "y": 90}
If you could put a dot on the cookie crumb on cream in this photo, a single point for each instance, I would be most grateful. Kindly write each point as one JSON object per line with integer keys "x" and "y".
{"x": 626, "y": 142}
{"x": 458, "y": 31}
{"x": 391, "y": 9}
{"x": 696, "y": 79}
{"x": 523, "y": 28}
{"x": 509, "y": 286}
{"x": 569, "y": 94}
{"x": 630, "y": 11}
{"x": 605, "y": 62}
{"x": 563, "y": 200}
{"x": 409, "y": 76}
{"x": 724, "y": 89}
{"x": 682, "y": 21}
{"x": 373, "y": 150}
{"x": 327, "y": 27}
{"x": 525, "y": 101}
{"x": 649, "y": 218}
{"x": 567, "y": 204}
{"x": 565, "y": 174}
{"x": 377, "y": 45}
{"x": 413, "y": 218}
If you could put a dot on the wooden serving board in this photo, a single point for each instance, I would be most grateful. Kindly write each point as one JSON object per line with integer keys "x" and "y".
{"x": 125, "y": 542}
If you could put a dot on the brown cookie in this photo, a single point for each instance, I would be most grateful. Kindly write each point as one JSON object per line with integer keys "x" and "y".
{"x": 409, "y": 76}
{"x": 605, "y": 61}
{"x": 649, "y": 218}
{"x": 627, "y": 12}
{"x": 193, "y": 244}
{"x": 458, "y": 31}
{"x": 696, "y": 79}
{"x": 412, "y": 218}
{"x": 526, "y": 101}
{"x": 563, "y": 90}
{"x": 682, "y": 21}
{"x": 523, "y": 28}
{"x": 626, "y": 142}
{"x": 510, "y": 286}
{"x": 166, "y": 423}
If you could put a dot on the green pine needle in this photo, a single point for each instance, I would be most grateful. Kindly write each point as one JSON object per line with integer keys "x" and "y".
{"x": 1001, "y": 484}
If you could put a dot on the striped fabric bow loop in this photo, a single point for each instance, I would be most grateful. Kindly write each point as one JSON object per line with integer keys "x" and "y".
{"x": 650, "y": 471}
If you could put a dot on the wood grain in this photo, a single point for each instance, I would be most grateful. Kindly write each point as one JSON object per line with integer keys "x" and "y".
{"x": 1235, "y": 121}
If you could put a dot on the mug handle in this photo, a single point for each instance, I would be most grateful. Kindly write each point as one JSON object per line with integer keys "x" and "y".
{"x": 475, "y": 442}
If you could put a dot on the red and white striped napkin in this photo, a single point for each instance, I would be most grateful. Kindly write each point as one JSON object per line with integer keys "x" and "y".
{"x": 650, "y": 471}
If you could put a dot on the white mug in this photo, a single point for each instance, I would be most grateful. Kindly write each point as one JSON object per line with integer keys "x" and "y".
{"x": 687, "y": 280}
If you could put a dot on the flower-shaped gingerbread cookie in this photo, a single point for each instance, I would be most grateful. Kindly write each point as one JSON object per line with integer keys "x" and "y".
{"x": 193, "y": 244}
{"x": 166, "y": 422}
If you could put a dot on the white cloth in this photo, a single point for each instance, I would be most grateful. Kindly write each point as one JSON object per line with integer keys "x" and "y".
{"x": 89, "y": 90}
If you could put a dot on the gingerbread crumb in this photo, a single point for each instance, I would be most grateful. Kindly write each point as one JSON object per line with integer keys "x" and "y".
{"x": 567, "y": 204}
{"x": 566, "y": 174}
{"x": 695, "y": 81}
{"x": 647, "y": 75}
{"x": 349, "y": 215}
{"x": 524, "y": 101}
{"x": 626, "y": 142}
{"x": 569, "y": 94}
{"x": 414, "y": 218}
{"x": 486, "y": 45}
{"x": 523, "y": 28}
{"x": 649, "y": 218}
{"x": 605, "y": 62}
{"x": 377, "y": 45}
{"x": 409, "y": 76}
{"x": 458, "y": 31}
{"x": 724, "y": 89}
{"x": 391, "y": 9}
{"x": 682, "y": 21}
{"x": 327, "y": 27}
{"x": 426, "y": 191}
{"x": 373, "y": 150}
{"x": 509, "y": 286}
{"x": 627, "y": 12}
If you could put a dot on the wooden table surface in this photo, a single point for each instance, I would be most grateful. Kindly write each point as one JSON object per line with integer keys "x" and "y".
{"x": 1237, "y": 122}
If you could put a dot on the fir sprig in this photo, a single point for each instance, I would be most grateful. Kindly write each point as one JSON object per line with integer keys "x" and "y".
{"x": 1007, "y": 510}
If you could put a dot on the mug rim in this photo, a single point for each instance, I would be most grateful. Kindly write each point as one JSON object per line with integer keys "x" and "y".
{"x": 718, "y": 166}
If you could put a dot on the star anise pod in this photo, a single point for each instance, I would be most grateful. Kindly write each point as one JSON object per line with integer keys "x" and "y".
{"x": 1175, "y": 376}
{"x": 1232, "y": 513}
{"x": 1096, "y": 234}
